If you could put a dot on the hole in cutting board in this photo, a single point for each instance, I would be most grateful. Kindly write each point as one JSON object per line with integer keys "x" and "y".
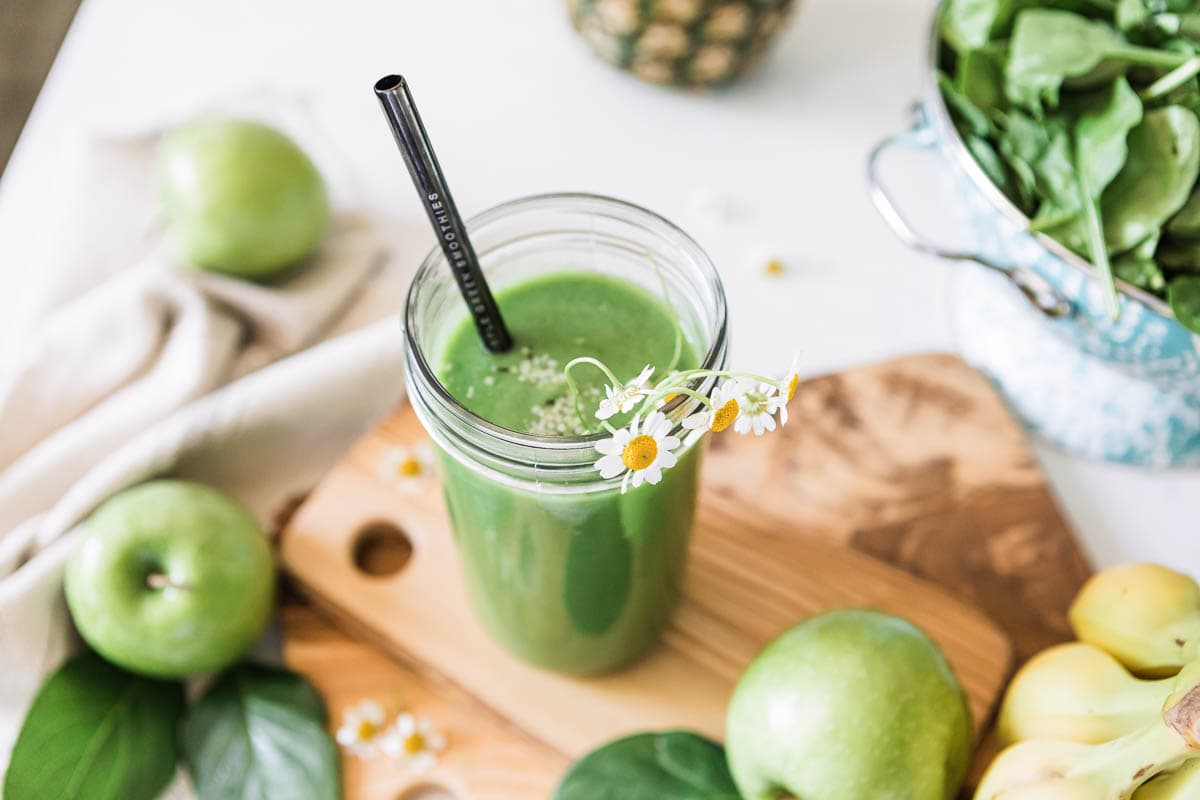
{"x": 381, "y": 549}
{"x": 428, "y": 791}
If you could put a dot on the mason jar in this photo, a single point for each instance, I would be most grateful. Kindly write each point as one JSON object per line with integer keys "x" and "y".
{"x": 563, "y": 569}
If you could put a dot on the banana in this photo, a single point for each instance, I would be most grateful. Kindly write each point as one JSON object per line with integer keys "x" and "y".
{"x": 1183, "y": 784}
{"x": 1057, "y": 770}
{"x": 1078, "y": 693}
{"x": 1145, "y": 615}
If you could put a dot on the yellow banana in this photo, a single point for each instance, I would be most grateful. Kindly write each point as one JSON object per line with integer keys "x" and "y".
{"x": 1145, "y": 615}
{"x": 1056, "y": 770}
{"x": 1078, "y": 693}
{"x": 1183, "y": 784}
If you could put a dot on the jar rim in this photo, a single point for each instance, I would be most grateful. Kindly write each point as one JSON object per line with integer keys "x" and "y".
{"x": 712, "y": 359}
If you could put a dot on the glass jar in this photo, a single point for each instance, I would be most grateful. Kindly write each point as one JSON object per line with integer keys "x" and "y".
{"x": 563, "y": 569}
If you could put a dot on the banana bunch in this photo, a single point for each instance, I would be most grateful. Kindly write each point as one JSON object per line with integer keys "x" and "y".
{"x": 1115, "y": 715}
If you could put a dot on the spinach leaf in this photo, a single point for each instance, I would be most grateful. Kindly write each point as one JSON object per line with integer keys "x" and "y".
{"x": 1139, "y": 267}
{"x": 1157, "y": 179}
{"x": 259, "y": 734}
{"x": 981, "y": 80}
{"x": 1100, "y": 154}
{"x": 1184, "y": 296}
{"x": 1134, "y": 15}
{"x": 969, "y": 24}
{"x": 1040, "y": 153}
{"x": 1154, "y": 21}
{"x": 1049, "y": 46}
{"x": 1101, "y": 131}
{"x": 675, "y": 765}
{"x": 1186, "y": 224}
{"x": 989, "y": 160}
{"x": 967, "y": 117}
{"x": 1139, "y": 272}
{"x": 96, "y": 732}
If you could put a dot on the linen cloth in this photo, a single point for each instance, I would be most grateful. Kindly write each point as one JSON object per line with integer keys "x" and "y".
{"x": 119, "y": 379}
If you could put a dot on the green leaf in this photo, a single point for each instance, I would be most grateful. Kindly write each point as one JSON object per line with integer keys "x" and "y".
{"x": 1157, "y": 179}
{"x": 1186, "y": 223}
{"x": 1133, "y": 15}
{"x": 1040, "y": 151}
{"x": 1101, "y": 132}
{"x": 981, "y": 80}
{"x": 98, "y": 733}
{"x": 968, "y": 117}
{"x": 1050, "y": 46}
{"x": 1184, "y": 296}
{"x": 1139, "y": 267}
{"x": 259, "y": 734}
{"x": 651, "y": 766}
{"x": 969, "y": 24}
{"x": 991, "y": 163}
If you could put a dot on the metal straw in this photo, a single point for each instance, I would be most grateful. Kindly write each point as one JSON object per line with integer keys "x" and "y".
{"x": 409, "y": 132}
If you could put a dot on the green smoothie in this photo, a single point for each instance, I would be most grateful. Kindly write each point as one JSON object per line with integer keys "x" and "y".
{"x": 579, "y": 581}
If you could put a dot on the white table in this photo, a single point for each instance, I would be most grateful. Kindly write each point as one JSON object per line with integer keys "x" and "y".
{"x": 517, "y": 105}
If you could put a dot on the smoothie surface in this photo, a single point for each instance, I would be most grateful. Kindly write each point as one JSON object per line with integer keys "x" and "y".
{"x": 553, "y": 319}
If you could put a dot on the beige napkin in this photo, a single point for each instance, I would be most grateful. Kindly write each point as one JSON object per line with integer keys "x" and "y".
{"x": 113, "y": 381}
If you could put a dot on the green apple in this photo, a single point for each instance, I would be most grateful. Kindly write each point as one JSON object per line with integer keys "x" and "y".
{"x": 171, "y": 579}
{"x": 240, "y": 197}
{"x": 848, "y": 705}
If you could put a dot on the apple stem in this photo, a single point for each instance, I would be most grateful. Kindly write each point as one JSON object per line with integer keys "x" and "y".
{"x": 157, "y": 580}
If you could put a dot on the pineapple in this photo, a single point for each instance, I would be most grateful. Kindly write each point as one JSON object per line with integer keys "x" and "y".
{"x": 692, "y": 43}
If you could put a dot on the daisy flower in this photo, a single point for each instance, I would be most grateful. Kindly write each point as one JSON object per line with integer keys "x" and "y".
{"x": 417, "y": 741}
{"x": 724, "y": 411}
{"x": 791, "y": 382}
{"x": 406, "y": 467}
{"x": 623, "y": 399}
{"x": 758, "y": 401}
{"x": 641, "y": 451}
{"x": 362, "y": 729}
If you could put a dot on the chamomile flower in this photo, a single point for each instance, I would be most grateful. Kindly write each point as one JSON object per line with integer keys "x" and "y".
{"x": 759, "y": 402}
{"x": 362, "y": 731}
{"x": 724, "y": 411}
{"x": 793, "y": 379}
{"x": 407, "y": 468}
{"x": 623, "y": 399}
{"x": 791, "y": 382}
{"x": 641, "y": 451}
{"x": 416, "y": 741}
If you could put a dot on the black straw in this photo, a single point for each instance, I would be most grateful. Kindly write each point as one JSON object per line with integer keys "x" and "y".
{"x": 401, "y": 113}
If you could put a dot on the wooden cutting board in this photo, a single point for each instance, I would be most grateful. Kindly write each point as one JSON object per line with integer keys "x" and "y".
{"x": 914, "y": 461}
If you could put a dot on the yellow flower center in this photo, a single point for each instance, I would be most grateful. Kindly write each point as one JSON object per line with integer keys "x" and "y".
{"x": 793, "y": 383}
{"x": 409, "y": 467}
{"x": 414, "y": 743}
{"x": 774, "y": 267}
{"x": 640, "y": 452}
{"x": 724, "y": 416}
{"x": 366, "y": 730}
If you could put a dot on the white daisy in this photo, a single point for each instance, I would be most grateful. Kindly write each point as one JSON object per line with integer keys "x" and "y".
{"x": 407, "y": 468}
{"x": 641, "y": 451}
{"x": 726, "y": 406}
{"x": 791, "y": 382}
{"x": 623, "y": 399}
{"x": 416, "y": 741}
{"x": 758, "y": 401}
{"x": 362, "y": 729}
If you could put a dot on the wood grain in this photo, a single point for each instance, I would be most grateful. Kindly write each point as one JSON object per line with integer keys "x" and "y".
{"x": 486, "y": 758}
{"x": 917, "y": 462}
{"x": 914, "y": 461}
